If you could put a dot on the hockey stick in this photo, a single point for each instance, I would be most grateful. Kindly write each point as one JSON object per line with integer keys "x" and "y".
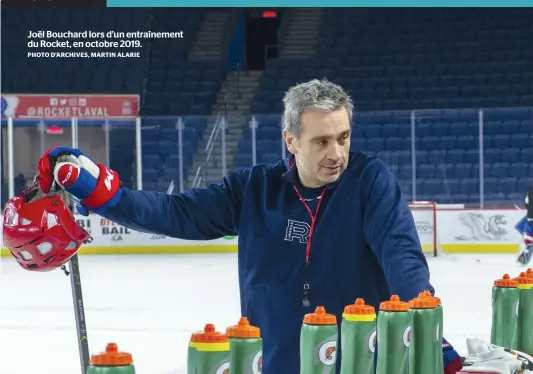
{"x": 77, "y": 297}
{"x": 79, "y": 312}
{"x": 77, "y": 301}
{"x": 75, "y": 281}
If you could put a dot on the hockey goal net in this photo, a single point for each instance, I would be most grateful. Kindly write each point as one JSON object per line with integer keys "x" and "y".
{"x": 425, "y": 215}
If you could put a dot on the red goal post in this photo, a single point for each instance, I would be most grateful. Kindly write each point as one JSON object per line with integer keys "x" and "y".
{"x": 425, "y": 216}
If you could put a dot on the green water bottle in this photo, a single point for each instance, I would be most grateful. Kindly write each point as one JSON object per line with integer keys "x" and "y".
{"x": 246, "y": 348}
{"x": 191, "y": 354}
{"x": 424, "y": 341}
{"x": 525, "y": 313}
{"x": 438, "y": 347}
{"x": 210, "y": 353}
{"x": 394, "y": 334}
{"x": 505, "y": 304}
{"x": 112, "y": 361}
{"x": 318, "y": 343}
{"x": 358, "y": 338}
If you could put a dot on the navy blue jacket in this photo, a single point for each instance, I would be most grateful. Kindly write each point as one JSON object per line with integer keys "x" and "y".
{"x": 364, "y": 243}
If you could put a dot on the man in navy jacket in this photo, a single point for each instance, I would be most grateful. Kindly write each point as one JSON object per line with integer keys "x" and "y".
{"x": 324, "y": 227}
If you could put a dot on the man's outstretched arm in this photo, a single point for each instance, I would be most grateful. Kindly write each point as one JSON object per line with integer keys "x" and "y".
{"x": 197, "y": 214}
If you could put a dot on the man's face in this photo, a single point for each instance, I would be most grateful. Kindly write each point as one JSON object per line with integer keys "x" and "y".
{"x": 321, "y": 151}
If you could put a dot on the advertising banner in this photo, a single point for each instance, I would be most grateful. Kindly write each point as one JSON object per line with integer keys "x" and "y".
{"x": 67, "y": 106}
{"x": 479, "y": 231}
{"x": 480, "y": 226}
{"x": 107, "y": 233}
{"x": 111, "y": 238}
{"x": 458, "y": 231}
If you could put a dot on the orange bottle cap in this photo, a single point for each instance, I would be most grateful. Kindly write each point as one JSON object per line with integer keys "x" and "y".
{"x": 111, "y": 357}
{"x": 243, "y": 329}
{"x": 505, "y": 282}
{"x": 529, "y": 272}
{"x": 359, "y": 307}
{"x": 423, "y": 302}
{"x": 394, "y": 305}
{"x": 209, "y": 335}
{"x": 427, "y": 293}
{"x": 524, "y": 278}
{"x": 320, "y": 317}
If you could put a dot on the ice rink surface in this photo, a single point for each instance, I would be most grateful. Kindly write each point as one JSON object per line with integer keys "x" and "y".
{"x": 149, "y": 305}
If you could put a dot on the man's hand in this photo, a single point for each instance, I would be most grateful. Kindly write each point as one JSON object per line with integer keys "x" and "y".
{"x": 95, "y": 186}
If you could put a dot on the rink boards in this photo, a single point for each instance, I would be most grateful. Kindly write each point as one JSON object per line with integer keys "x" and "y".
{"x": 458, "y": 231}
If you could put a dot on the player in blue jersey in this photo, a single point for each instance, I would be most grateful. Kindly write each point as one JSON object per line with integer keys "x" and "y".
{"x": 525, "y": 226}
{"x": 323, "y": 227}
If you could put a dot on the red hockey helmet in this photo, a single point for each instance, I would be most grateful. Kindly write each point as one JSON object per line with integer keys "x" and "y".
{"x": 40, "y": 230}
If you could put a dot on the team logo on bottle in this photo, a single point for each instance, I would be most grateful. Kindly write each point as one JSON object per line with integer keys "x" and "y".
{"x": 327, "y": 353}
{"x": 407, "y": 336}
{"x": 257, "y": 363}
{"x": 372, "y": 342}
{"x": 223, "y": 369}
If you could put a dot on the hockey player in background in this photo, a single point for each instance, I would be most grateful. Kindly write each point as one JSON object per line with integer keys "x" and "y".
{"x": 323, "y": 227}
{"x": 525, "y": 226}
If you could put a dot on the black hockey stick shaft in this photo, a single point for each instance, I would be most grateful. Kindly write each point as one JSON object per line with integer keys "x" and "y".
{"x": 77, "y": 298}
{"x": 79, "y": 313}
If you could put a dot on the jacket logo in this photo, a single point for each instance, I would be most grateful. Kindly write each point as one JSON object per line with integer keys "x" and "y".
{"x": 297, "y": 230}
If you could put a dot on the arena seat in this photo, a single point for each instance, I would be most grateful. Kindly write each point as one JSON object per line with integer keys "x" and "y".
{"x": 431, "y": 61}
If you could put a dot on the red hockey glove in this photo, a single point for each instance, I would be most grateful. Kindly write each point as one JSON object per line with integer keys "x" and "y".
{"x": 95, "y": 186}
{"x": 452, "y": 361}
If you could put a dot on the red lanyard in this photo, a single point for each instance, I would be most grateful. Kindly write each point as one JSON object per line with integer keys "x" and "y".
{"x": 313, "y": 220}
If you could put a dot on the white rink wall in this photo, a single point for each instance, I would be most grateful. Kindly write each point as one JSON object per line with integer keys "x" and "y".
{"x": 458, "y": 231}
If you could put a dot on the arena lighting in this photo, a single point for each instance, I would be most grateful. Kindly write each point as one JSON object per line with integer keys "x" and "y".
{"x": 270, "y": 14}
